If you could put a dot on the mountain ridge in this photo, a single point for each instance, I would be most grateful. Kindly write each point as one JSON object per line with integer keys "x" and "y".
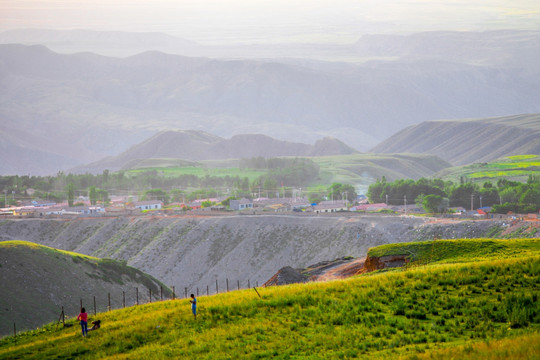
{"x": 92, "y": 106}
{"x": 192, "y": 145}
{"x": 466, "y": 141}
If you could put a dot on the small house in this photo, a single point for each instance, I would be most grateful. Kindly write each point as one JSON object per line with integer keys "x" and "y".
{"x": 242, "y": 204}
{"x": 148, "y": 205}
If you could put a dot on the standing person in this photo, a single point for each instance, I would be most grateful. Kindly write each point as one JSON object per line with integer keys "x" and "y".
{"x": 193, "y": 302}
{"x": 83, "y": 317}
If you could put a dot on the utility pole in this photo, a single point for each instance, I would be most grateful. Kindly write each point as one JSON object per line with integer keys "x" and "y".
{"x": 405, "y": 202}
{"x": 472, "y": 199}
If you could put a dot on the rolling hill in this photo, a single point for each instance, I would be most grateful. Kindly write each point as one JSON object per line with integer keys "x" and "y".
{"x": 37, "y": 281}
{"x": 194, "y": 145}
{"x": 468, "y": 141}
{"x": 364, "y": 169}
{"x": 483, "y": 309}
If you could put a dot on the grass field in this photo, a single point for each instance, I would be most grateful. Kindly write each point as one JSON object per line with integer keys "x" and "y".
{"x": 517, "y": 168}
{"x": 481, "y": 309}
{"x": 202, "y": 171}
{"x": 463, "y": 250}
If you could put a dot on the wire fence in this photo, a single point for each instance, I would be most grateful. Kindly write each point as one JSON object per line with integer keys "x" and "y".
{"x": 139, "y": 296}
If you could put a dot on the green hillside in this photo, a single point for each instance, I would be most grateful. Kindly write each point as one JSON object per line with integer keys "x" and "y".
{"x": 515, "y": 168}
{"x": 38, "y": 280}
{"x": 359, "y": 167}
{"x": 462, "y": 250}
{"x": 474, "y": 309}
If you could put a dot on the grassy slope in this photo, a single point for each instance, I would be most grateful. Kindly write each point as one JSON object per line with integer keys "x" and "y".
{"x": 37, "y": 280}
{"x": 516, "y": 168}
{"x": 463, "y": 250}
{"x": 355, "y": 168}
{"x": 444, "y": 310}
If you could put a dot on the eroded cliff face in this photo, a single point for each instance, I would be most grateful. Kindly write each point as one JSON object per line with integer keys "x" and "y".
{"x": 196, "y": 251}
{"x": 385, "y": 262}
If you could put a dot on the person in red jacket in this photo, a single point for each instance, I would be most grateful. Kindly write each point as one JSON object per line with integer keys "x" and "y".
{"x": 83, "y": 317}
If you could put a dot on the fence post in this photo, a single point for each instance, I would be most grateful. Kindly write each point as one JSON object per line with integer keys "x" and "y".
{"x": 161, "y": 293}
{"x": 197, "y": 292}
{"x": 94, "y": 305}
{"x": 14, "y": 330}
{"x": 137, "y": 295}
{"x": 173, "y": 293}
{"x": 63, "y": 317}
{"x": 81, "y": 304}
{"x": 207, "y": 292}
{"x": 123, "y": 299}
{"x": 248, "y": 284}
{"x": 150, "y": 295}
{"x": 185, "y": 292}
{"x": 217, "y": 290}
{"x": 109, "y": 296}
{"x": 227, "y": 284}
{"x": 238, "y": 283}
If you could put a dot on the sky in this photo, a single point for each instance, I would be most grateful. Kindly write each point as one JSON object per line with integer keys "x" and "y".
{"x": 270, "y": 21}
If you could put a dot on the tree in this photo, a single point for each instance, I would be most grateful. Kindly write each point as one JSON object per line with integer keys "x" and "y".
{"x": 531, "y": 197}
{"x": 102, "y": 195}
{"x": 509, "y": 195}
{"x": 338, "y": 191}
{"x": 92, "y": 195}
{"x": 70, "y": 193}
{"x": 375, "y": 191}
{"x": 156, "y": 194}
{"x": 227, "y": 201}
{"x": 207, "y": 203}
{"x": 178, "y": 195}
{"x": 432, "y": 203}
{"x": 461, "y": 195}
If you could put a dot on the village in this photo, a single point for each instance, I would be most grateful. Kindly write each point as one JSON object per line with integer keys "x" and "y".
{"x": 131, "y": 206}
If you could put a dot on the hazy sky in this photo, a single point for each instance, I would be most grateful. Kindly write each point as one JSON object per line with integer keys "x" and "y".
{"x": 247, "y": 21}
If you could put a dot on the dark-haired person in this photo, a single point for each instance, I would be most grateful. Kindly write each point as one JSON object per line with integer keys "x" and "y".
{"x": 83, "y": 317}
{"x": 193, "y": 302}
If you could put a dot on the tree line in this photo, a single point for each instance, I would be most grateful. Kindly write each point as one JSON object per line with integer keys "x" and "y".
{"x": 282, "y": 175}
{"x": 437, "y": 195}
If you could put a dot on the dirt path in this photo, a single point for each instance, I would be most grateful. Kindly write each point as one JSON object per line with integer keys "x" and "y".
{"x": 341, "y": 271}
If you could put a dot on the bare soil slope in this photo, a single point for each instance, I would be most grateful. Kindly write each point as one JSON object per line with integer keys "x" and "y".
{"x": 198, "y": 251}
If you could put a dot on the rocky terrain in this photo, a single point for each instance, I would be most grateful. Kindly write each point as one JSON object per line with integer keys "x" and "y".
{"x": 197, "y": 251}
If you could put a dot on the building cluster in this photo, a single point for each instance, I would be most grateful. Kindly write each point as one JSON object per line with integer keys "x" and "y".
{"x": 120, "y": 206}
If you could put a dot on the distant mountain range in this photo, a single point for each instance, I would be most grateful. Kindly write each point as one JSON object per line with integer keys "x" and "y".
{"x": 58, "y": 111}
{"x": 467, "y": 141}
{"x": 198, "y": 145}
